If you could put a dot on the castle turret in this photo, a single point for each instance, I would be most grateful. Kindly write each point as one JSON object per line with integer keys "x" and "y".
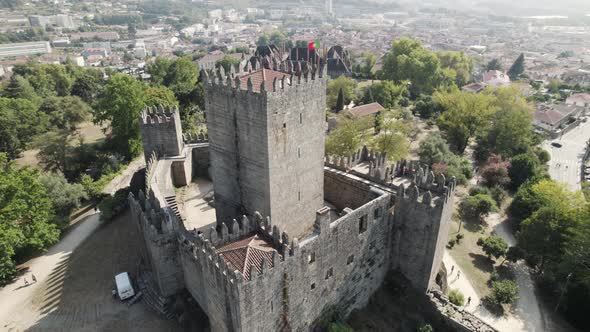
{"x": 161, "y": 131}
{"x": 266, "y": 135}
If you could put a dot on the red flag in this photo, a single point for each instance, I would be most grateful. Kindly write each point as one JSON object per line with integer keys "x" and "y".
{"x": 311, "y": 46}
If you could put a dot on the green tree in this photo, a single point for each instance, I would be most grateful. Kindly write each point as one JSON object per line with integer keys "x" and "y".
{"x": 493, "y": 246}
{"x": 227, "y": 62}
{"x": 409, "y": 61}
{"x": 494, "y": 64}
{"x": 522, "y": 168}
{"x": 434, "y": 149}
{"x": 510, "y": 131}
{"x": 544, "y": 233}
{"x": 19, "y": 87}
{"x": 346, "y": 139}
{"x": 385, "y": 93}
{"x": 477, "y": 207}
{"x": 343, "y": 83}
{"x": 392, "y": 140}
{"x": 160, "y": 95}
{"x": 159, "y": 69}
{"x": 517, "y": 68}
{"x": 504, "y": 292}
{"x": 54, "y": 150}
{"x": 532, "y": 195}
{"x": 514, "y": 254}
{"x": 121, "y": 102}
{"x": 465, "y": 114}
{"x": 19, "y": 123}
{"x": 340, "y": 101}
{"x": 459, "y": 63}
{"x": 64, "y": 196}
{"x": 25, "y": 215}
{"x": 65, "y": 113}
{"x": 263, "y": 40}
{"x": 87, "y": 87}
{"x": 456, "y": 297}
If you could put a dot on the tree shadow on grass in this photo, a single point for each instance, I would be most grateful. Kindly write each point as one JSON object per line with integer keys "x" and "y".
{"x": 482, "y": 262}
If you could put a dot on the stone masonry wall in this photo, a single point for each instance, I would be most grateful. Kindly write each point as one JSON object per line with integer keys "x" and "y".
{"x": 267, "y": 151}
{"x": 343, "y": 192}
{"x": 419, "y": 235}
{"x": 339, "y": 265}
{"x": 161, "y": 131}
{"x": 296, "y": 122}
{"x": 237, "y": 128}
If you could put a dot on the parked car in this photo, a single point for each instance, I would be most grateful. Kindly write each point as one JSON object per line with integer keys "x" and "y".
{"x": 124, "y": 287}
{"x": 556, "y": 144}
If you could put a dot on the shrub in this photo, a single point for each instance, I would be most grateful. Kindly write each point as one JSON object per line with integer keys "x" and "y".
{"x": 112, "y": 206}
{"x": 498, "y": 194}
{"x": 451, "y": 243}
{"x": 504, "y": 292}
{"x": 425, "y": 328}
{"x": 476, "y": 207}
{"x": 479, "y": 190}
{"x": 456, "y": 297}
{"x": 495, "y": 171}
{"x": 459, "y": 237}
{"x": 339, "y": 327}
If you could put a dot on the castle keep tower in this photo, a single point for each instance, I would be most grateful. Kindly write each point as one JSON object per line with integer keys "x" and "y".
{"x": 266, "y": 135}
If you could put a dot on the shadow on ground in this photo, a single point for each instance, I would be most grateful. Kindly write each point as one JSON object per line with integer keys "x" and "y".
{"x": 77, "y": 294}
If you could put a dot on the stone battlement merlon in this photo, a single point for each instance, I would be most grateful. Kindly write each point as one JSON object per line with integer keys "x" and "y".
{"x": 233, "y": 83}
{"x": 157, "y": 115}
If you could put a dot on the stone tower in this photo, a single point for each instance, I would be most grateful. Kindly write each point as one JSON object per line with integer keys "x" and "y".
{"x": 266, "y": 134}
{"x": 161, "y": 131}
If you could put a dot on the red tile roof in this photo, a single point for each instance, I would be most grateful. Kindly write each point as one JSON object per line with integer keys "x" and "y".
{"x": 258, "y": 76}
{"x": 246, "y": 254}
{"x": 364, "y": 110}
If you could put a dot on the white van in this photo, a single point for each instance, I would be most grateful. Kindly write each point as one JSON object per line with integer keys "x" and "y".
{"x": 124, "y": 288}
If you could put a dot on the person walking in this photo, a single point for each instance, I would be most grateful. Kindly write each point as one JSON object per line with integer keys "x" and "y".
{"x": 458, "y": 274}
{"x": 452, "y": 268}
{"x": 468, "y": 300}
{"x": 34, "y": 278}
{"x": 26, "y": 282}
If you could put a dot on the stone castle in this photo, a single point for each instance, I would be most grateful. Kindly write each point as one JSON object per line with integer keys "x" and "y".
{"x": 286, "y": 232}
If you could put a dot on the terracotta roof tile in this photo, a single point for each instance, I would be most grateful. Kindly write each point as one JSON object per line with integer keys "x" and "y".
{"x": 244, "y": 254}
{"x": 258, "y": 76}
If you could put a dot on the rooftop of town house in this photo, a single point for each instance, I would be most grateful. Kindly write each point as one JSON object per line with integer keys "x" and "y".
{"x": 364, "y": 110}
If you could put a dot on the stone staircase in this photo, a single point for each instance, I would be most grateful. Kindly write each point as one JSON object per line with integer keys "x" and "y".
{"x": 151, "y": 297}
{"x": 173, "y": 205}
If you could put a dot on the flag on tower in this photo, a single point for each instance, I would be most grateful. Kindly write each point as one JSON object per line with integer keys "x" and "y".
{"x": 312, "y": 45}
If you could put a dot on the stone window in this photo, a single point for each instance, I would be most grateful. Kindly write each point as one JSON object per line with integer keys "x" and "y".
{"x": 350, "y": 260}
{"x": 299, "y": 152}
{"x": 313, "y": 286}
{"x": 311, "y": 258}
{"x": 284, "y": 125}
{"x": 299, "y": 195}
{"x": 363, "y": 224}
{"x": 329, "y": 273}
{"x": 377, "y": 213}
{"x": 300, "y": 118}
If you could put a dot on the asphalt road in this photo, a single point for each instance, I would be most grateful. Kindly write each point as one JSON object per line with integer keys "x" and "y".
{"x": 566, "y": 161}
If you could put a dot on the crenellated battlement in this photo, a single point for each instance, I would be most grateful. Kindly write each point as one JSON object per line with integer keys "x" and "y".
{"x": 195, "y": 138}
{"x": 161, "y": 131}
{"x": 158, "y": 115}
{"x": 263, "y": 81}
